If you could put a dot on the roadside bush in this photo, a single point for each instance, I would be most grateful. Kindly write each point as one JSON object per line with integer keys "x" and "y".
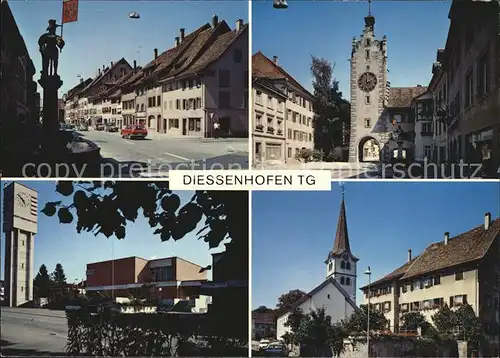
{"x": 304, "y": 155}
{"x": 111, "y": 334}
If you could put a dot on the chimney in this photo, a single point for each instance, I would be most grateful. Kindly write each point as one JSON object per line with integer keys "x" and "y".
{"x": 99, "y": 71}
{"x": 409, "y": 255}
{"x": 103, "y": 68}
{"x": 176, "y": 41}
{"x": 487, "y": 221}
{"x": 215, "y": 20}
{"x": 111, "y": 63}
{"x": 135, "y": 64}
{"x": 156, "y": 53}
{"x": 81, "y": 79}
{"x": 182, "y": 32}
{"x": 419, "y": 86}
{"x": 275, "y": 59}
{"x": 239, "y": 24}
{"x": 446, "y": 237}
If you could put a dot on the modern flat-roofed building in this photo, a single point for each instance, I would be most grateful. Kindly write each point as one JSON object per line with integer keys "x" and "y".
{"x": 168, "y": 278}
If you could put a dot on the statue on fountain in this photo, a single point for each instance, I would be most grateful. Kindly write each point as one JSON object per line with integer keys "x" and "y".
{"x": 50, "y": 43}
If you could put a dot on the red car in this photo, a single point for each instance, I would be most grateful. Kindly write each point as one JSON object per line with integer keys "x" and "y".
{"x": 134, "y": 131}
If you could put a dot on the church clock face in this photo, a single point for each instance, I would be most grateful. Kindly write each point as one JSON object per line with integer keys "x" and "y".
{"x": 367, "y": 81}
{"x": 23, "y": 200}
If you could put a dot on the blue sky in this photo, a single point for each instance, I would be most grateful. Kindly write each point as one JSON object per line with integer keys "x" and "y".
{"x": 414, "y": 29}
{"x": 105, "y": 33}
{"x": 293, "y": 231}
{"x": 57, "y": 243}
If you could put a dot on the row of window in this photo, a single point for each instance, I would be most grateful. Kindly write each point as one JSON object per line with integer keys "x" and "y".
{"x": 272, "y": 103}
{"x": 296, "y": 117}
{"x": 301, "y": 101}
{"x": 299, "y": 135}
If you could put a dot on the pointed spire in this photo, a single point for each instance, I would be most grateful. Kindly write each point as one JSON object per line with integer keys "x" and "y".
{"x": 369, "y": 7}
{"x": 341, "y": 243}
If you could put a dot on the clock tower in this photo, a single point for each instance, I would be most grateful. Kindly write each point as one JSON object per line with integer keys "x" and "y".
{"x": 369, "y": 89}
{"x": 341, "y": 263}
{"x": 20, "y": 214}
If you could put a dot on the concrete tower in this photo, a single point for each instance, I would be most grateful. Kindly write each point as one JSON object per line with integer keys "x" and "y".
{"x": 341, "y": 263}
{"x": 20, "y": 208}
{"x": 369, "y": 92}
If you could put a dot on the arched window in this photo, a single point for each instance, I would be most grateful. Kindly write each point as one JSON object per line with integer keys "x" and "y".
{"x": 330, "y": 265}
{"x": 342, "y": 264}
{"x": 347, "y": 281}
{"x": 342, "y": 281}
{"x": 348, "y": 265}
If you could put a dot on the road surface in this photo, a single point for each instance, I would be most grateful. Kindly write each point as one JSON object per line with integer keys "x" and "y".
{"x": 157, "y": 154}
{"x": 31, "y": 331}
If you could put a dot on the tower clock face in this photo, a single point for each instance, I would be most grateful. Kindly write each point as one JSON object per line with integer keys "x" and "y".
{"x": 23, "y": 200}
{"x": 367, "y": 81}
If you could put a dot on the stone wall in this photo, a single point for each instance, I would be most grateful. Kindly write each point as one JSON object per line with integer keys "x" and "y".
{"x": 401, "y": 347}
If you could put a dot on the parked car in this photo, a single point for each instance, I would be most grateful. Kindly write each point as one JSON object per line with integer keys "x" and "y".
{"x": 276, "y": 349}
{"x": 99, "y": 127}
{"x": 67, "y": 127}
{"x": 264, "y": 343}
{"x": 134, "y": 131}
{"x": 111, "y": 128}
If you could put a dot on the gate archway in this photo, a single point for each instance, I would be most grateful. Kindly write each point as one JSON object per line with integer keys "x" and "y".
{"x": 369, "y": 150}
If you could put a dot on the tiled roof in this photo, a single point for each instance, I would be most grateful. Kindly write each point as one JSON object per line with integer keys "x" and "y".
{"x": 79, "y": 87}
{"x": 401, "y": 97}
{"x": 467, "y": 247}
{"x": 267, "y": 68}
{"x": 394, "y": 275}
{"x": 319, "y": 288}
{"x": 116, "y": 90}
{"x": 215, "y": 50}
{"x": 103, "y": 74}
{"x": 263, "y": 318}
{"x": 267, "y": 83}
{"x": 165, "y": 66}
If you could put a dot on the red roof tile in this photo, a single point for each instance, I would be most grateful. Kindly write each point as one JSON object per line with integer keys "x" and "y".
{"x": 267, "y": 68}
{"x": 401, "y": 97}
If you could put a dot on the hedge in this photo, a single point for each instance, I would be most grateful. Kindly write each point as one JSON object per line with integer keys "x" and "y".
{"x": 109, "y": 333}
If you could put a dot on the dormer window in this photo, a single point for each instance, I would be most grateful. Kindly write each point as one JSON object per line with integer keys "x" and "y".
{"x": 348, "y": 265}
{"x": 342, "y": 264}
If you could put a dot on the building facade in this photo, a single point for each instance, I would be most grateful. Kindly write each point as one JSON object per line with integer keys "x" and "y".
{"x": 337, "y": 294}
{"x": 457, "y": 270}
{"x": 170, "y": 278}
{"x": 466, "y": 87}
{"x": 283, "y": 113}
{"x": 20, "y": 213}
{"x": 422, "y": 109}
{"x": 183, "y": 91}
{"x": 17, "y": 85}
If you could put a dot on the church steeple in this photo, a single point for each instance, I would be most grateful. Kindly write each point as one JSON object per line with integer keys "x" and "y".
{"x": 341, "y": 263}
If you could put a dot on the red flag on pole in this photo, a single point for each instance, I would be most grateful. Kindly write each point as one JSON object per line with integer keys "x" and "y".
{"x": 70, "y": 11}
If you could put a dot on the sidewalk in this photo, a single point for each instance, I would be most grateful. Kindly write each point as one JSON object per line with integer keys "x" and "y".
{"x": 232, "y": 144}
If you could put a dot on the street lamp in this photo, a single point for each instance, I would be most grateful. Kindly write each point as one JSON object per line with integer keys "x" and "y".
{"x": 369, "y": 273}
{"x": 280, "y": 4}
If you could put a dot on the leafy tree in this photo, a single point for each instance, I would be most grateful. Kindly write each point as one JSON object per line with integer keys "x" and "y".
{"x": 42, "y": 282}
{"x": 356, "y": 324}
{"x": 316, "y": 333}
{"x": 331, "y": 120}
{"x": 294, "y": 319}
{"x": 58, "y": 275}
{"x": 107, "y": 207}
{"x": 286, "y": 300}
{"x": 470, "y": 325}
{"x": 412, "y": 321}
{"x": 444, "y": 319}
{"x": 263, "y": 309}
